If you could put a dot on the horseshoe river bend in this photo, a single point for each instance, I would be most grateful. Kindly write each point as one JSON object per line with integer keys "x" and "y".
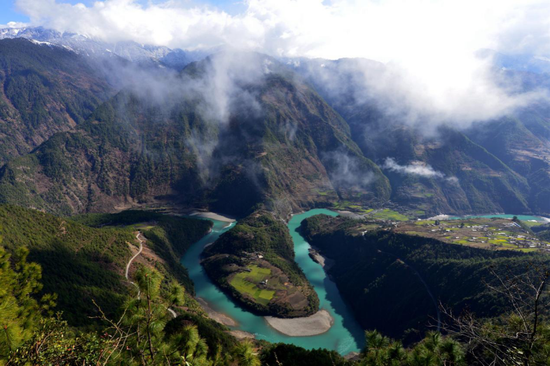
{"x": 344, "y": 336}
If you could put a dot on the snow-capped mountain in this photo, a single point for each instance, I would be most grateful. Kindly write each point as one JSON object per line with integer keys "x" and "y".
{"x": 131, "y": 51}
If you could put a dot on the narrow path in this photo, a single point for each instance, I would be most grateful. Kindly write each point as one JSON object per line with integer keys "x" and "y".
{"x": 141, "y": 240}
{"x": 132, "y": 259}
{"x": 172, "y": 312}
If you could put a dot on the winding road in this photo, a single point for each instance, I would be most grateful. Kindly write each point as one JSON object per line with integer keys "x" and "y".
{"x": 141, "y": 240}
{"x": 132, "y": 259}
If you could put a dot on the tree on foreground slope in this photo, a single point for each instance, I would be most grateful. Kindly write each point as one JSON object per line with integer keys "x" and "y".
{"x": 31, "y": 335}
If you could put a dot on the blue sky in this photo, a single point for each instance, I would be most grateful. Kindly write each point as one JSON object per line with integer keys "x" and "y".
{"x": 9, "y": 13}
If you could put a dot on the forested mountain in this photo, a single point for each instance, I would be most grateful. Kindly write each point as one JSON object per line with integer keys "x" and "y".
{"x": 82, "y": 264}
{"x": 44, "y": 90}
{"x": 492, "y": 166}
{"x": 268, "y": 133}
{"x": 279, "y": 144}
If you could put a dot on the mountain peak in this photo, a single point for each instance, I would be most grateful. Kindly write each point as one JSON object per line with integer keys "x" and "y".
{"x": 128, "y": 50}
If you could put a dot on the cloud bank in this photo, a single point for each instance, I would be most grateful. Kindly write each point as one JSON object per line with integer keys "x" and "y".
{"x": 428, "y": 46}
{"x": 416, "y": 168}
{"x": 388, "y": 30}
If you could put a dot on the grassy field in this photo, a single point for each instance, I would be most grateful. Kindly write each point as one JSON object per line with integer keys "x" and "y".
{"x": 247, "y": 283}
{"x": 379, "y": 214}
{"x": 388, "y": 214}
{"x": 347, "y": 205}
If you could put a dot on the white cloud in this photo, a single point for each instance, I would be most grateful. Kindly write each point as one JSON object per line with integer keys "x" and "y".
{"x": 526, "y": 30}
{"x": 429, "y": 45}
{"x": 418, "y": 33}
{"x": 416, "y": 168}
{"x": 14, "y": 25}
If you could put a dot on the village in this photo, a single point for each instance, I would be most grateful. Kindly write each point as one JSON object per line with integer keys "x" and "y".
{"x": 495, "y": 233}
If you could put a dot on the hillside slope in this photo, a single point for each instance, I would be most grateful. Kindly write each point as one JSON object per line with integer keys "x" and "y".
{"x": 281, "y": 145}
{"x": 439, "y": 168}
{"x": 43, "y": 90}
{"x": 396, "y": 282}
{"x": 81, "y": 263}
{"x": 522, "y": 141}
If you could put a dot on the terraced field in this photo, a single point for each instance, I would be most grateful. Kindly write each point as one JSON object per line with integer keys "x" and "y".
{"x": 248, "y": 283}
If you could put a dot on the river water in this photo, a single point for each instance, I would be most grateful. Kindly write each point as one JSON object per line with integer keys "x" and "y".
{"x": 344, "y": 336}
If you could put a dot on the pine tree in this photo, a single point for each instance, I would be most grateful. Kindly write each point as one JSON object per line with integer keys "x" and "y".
{"x": 19, "y": 311}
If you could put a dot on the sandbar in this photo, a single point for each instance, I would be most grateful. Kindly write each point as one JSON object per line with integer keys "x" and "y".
{"x": 213, "y": 216}
{"x": 316, "y": 324}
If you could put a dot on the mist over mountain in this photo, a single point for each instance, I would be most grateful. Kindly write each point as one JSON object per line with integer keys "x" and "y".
{"x": 245, "y": 112}
{"x": 127, "y": 50}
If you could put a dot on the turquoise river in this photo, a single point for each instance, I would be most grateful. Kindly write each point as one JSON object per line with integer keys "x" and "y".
{"x": 344, "y": 336}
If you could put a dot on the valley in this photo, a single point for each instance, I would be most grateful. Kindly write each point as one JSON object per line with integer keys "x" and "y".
{"x": 235, "y": 208}
{"x": 343, "y": 334}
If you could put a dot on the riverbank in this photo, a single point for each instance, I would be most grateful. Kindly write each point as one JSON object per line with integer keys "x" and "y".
{"x": 215, "y": 315}
{"x": 316, "y": 324}
{"x": 326, "y": 263}
{"x": 240, "y": 334}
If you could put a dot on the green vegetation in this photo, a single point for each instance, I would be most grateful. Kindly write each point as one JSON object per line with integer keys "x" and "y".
{"x": 79, "y": 262}
{"x": 387, "y": 214}
{"x": 68, "y": 146}
{"x": 246, "y": 283}
{"x": 377, "y": 214}
{"x": 433, "y": 350}
{"x": 347, "y": 205}
{"x": 254, "y": 263}
{"x": 146, "y": 335}
{"x": 19, "y": 311}
{"x": 168, "y": 236}
{"x": 385, "y": 272}
{"x": 143, "y": 335}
